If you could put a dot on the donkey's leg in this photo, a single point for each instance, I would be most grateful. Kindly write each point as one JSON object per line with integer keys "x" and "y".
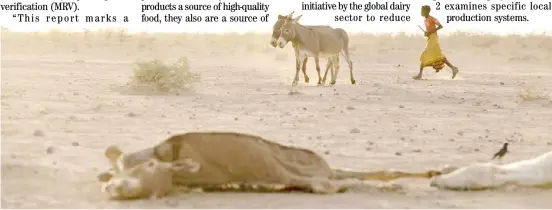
{"x": 350, "y": 63}
{"x": 298, "y": 62}
{"x": 297, "y": 67}
{"x": 317, "y": 61}
{"x": 329, "y": 64}
{"x": 335, "y": 69}
{"x": 304, "y": 68}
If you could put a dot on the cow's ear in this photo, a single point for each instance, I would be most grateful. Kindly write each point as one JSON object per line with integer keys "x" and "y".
{"x": 113, "y": 152}
{"x": 151, "y": 163}
{"x": 281, "y": 17}
{"x": 105, "y": 176}
{"x": 185, "y": 165}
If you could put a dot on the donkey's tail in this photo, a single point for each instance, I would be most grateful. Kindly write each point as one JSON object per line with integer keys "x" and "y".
{"x": 344, "y": 37}
{"x": 381, "y": 175}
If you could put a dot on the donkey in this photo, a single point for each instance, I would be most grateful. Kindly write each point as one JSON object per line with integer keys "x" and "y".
{"x": 276, "y": 34}
{"x": 315, "y": 42}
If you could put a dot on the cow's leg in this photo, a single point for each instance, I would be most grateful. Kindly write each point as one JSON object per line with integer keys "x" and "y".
{"x": 105, "y": 176}
{"x": 319, "y": 185}
{"x": 304, "y": 68}
{"x": 317, "y": 61}
{"x": 350, "y": 63}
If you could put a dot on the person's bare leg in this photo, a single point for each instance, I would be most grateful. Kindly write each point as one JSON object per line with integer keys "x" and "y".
{"x": 454, "y": 68}
{"x": 419, "y": 76}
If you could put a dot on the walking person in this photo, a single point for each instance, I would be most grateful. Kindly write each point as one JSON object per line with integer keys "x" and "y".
{"x": 432, "y": 55}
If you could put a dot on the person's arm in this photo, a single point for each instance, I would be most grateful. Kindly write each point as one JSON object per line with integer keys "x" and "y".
{"x": 438, "y": 24}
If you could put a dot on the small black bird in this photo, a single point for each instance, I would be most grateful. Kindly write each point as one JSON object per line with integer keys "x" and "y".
{"x": 500, "y": 154}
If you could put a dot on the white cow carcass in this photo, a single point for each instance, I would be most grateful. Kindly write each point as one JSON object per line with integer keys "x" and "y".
{"x": 535, "y": 172}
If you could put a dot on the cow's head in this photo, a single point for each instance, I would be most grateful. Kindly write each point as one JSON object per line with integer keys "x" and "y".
{"x": 138, "y": 180}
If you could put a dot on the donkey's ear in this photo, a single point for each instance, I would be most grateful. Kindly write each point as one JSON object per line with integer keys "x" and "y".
{"x": 297, "y": 18}
{"x": 288, "y": 18}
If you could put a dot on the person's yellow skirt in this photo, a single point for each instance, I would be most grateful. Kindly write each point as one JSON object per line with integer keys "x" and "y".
{"x": 432, "y": 55}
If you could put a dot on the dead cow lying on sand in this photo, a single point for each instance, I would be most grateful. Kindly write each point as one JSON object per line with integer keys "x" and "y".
{"x": 211, "y": 159}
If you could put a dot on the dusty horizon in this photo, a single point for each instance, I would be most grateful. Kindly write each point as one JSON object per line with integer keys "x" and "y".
{"x": 124, "y": 30}
{"x": 64, "y": 102}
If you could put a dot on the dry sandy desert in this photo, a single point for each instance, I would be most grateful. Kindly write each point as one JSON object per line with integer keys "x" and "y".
{"x": 64, "y": 101}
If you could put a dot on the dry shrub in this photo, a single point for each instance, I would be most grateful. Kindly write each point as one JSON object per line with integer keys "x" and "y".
{"x": 158, "y": 76}
{"x": 532, "y": 94}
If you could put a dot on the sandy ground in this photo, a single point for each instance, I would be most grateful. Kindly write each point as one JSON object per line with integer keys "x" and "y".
{"x": 63, "y": 103}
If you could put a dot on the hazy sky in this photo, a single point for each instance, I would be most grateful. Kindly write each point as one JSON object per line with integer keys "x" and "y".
{"x": 538, "y": 21}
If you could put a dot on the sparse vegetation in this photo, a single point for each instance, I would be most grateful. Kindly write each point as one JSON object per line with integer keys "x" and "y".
{"x": 161, "y": 77}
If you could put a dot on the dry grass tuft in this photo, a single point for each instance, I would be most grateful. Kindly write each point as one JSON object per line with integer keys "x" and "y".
{"x": 158, "y": 76}
{"x": 533, "y": 94}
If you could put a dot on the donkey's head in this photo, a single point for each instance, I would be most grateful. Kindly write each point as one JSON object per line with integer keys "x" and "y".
{"x": 287, "y": 31}
{"x": 276, "y": 28}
